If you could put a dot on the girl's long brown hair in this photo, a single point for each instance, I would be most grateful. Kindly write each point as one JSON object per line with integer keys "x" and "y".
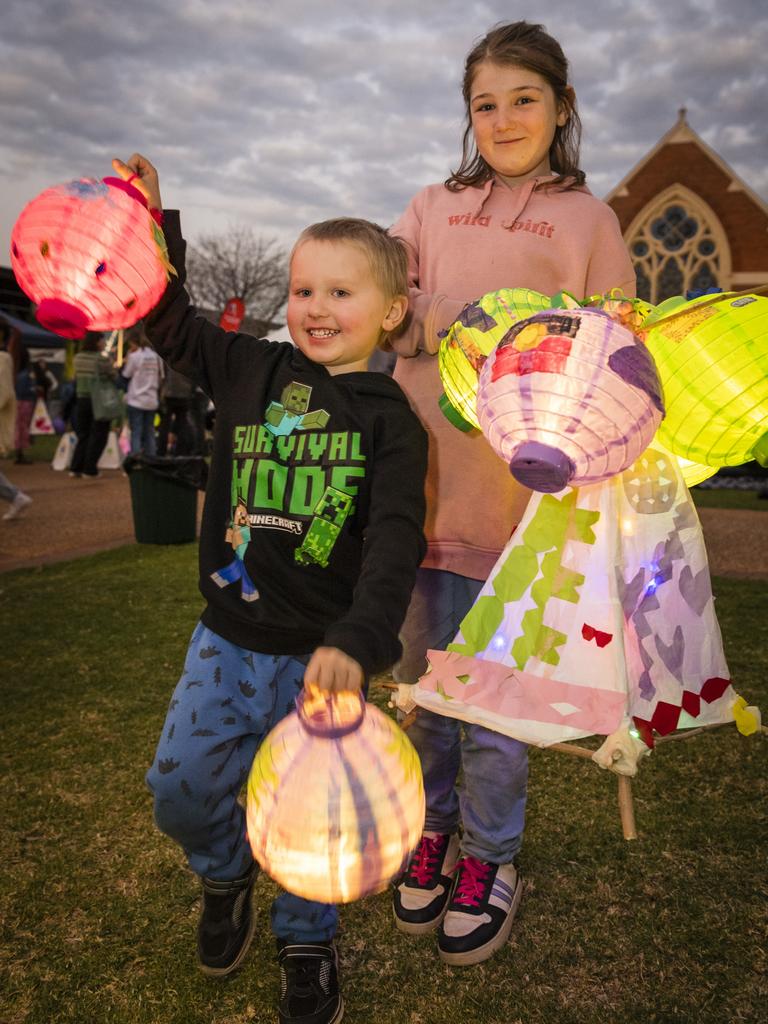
{"x": 522, "y": 44}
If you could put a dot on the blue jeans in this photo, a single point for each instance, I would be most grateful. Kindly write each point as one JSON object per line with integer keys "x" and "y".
{"x": 142, "y": 426}
{"x": 8, "y": 491}
{"x": 491, "y": 800}
{"x": 227, "y": 700}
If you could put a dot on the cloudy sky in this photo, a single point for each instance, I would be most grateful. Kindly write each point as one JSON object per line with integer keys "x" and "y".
{"x": 276, "y": 113}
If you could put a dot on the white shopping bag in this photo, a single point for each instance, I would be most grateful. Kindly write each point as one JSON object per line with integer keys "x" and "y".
{"x": 64, "y": 451}
{"x": 41, "y": 419}
{"x": 112, "y": 456}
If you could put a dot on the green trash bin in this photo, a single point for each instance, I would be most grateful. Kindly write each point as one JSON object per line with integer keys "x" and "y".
{"x": 164, "y": 497}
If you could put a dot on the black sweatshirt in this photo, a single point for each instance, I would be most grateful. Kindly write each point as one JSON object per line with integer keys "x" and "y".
{"x": 313, "y": 523}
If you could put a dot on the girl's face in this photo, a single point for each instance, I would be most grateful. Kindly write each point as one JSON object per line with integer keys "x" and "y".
{"x": 514, "y": 116}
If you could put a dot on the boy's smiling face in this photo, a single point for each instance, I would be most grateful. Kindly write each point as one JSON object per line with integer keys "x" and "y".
{"x": 336, "y": 308}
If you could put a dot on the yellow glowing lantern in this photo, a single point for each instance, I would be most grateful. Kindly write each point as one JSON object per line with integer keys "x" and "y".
{"x": 712, "y": 358}
{"x": 480, "y": 327}
{"x": 335, "y": 799}
{"x": 694, "y": 472}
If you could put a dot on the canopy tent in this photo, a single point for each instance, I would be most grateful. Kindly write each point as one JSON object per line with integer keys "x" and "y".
{"x": 40, "y": 344}
{"x": 43, "y": 344}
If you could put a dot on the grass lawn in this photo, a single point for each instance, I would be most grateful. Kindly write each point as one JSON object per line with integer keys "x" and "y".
{"x": 727, "y": 497}
{"x": 43, "y": 447}
{"x": 98, "y": 913}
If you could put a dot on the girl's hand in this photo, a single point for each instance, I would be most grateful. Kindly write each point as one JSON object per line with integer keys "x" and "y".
{"x": 333, "y": 671}
{"x": 143, "y": 176}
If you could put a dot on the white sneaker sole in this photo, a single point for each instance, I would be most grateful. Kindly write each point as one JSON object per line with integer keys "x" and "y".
{"x": 419, "y": 927}
{"x": 476, "y": 956}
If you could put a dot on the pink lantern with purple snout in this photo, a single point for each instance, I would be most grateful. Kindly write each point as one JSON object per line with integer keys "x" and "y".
{"x": 569, "y": 397}
{"x": 90, "y": 255}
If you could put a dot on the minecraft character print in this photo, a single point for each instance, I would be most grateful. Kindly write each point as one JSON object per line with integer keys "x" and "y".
{"x": 292, "y": 412}
{"x": 329, "y": 516}
{"x": 239, "y": 536}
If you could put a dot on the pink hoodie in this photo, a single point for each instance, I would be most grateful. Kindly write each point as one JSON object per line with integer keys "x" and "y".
{"x": 460, "y": 246}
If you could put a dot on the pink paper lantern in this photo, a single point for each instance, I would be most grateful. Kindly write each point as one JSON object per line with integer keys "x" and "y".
{"x": 335, "y": 799}
{"x": 90, "y": 255}
{"x": 569, "y": 397}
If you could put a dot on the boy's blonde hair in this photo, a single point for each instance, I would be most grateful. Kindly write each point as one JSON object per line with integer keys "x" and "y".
{"x": 386, "y": 254}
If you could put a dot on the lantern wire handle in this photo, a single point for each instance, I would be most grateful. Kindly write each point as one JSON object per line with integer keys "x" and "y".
{"x": 330, "y": 715}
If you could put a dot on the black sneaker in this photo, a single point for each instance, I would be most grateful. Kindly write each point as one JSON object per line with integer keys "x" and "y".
{"x": 309, "y": 983}
{"x": 481, "y": 911}
{"x": 226, "y": 923}
{"x": 422, "y": 893}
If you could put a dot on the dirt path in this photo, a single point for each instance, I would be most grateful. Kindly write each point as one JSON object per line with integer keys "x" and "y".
{"x": 69, "y": 518}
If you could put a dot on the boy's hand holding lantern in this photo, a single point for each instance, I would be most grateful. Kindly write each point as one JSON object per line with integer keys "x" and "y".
{"x": 335, "y": 799}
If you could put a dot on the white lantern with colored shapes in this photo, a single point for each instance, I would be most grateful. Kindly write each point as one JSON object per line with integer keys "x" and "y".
{"x": 335, "y": 799}
{"x": 569, "y": 397}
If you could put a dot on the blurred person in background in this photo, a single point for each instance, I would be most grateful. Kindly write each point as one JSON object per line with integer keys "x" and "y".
{"x": 17, "y": 499}
{"x": 26, "y": 395}
{"x": 44, "y": 380}
{"x": 92, "y": 434}
{"x": 7, "y": 391}
{"x": 175, "y": 435}
{"x": 143, "y": 370}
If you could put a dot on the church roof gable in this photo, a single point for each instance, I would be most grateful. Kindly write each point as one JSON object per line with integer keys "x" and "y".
{"x": 681, "y": 132}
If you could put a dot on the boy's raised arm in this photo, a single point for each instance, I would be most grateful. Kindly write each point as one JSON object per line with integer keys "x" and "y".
{"x": 197, "y": 348}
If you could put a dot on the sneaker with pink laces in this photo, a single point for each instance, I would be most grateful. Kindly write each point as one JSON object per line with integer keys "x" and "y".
{"x": 481, "y": 911}
{"x": 422, "y": 894}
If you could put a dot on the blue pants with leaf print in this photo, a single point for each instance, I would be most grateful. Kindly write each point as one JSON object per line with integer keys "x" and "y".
{"x": 227, "y": 700}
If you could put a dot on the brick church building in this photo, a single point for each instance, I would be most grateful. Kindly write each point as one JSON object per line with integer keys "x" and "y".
{"x": 690, "y": 223}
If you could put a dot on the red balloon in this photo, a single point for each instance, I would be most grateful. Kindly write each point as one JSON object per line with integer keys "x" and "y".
{"x": 90, "y": 255}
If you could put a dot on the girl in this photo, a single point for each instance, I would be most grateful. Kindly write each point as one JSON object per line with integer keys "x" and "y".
{"x": 515, "y": 213}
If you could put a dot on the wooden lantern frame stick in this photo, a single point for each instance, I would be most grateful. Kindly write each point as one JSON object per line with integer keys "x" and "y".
{"x": 626, "y": 805}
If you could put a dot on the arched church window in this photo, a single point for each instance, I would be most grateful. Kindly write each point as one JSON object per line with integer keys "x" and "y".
{"x": 677, "y": 248}
{"x": 670, "y": 278}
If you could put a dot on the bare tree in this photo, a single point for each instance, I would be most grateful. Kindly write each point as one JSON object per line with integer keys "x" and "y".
{"x": 243, "y": 264}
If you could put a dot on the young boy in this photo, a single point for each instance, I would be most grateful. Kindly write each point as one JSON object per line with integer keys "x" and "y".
{"x": 310, "y": 541}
